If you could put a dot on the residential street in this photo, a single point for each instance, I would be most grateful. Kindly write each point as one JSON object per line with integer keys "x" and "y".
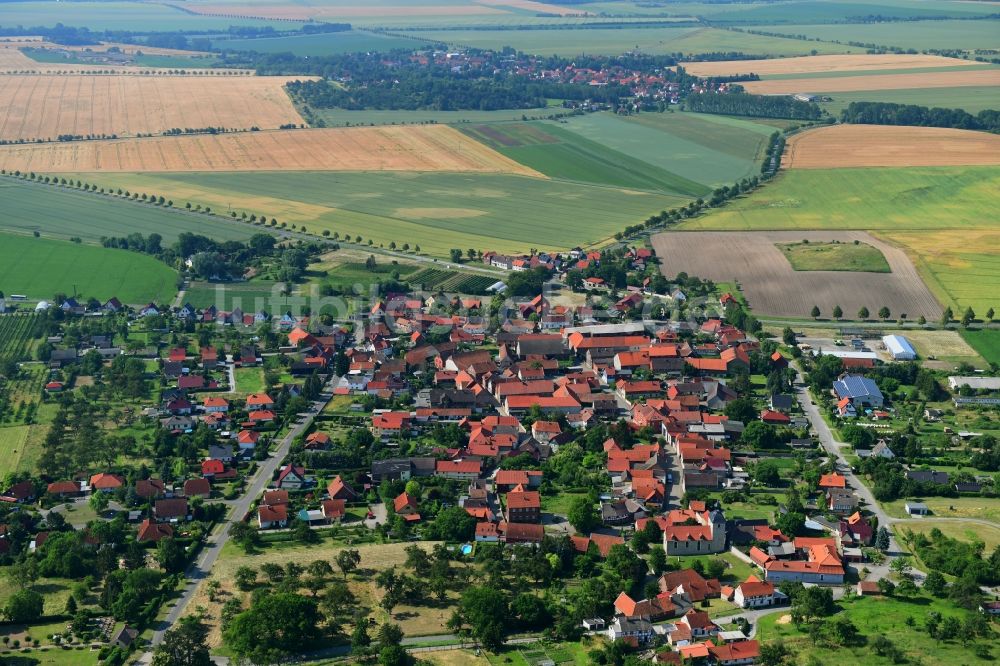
{"x": 202, "y": 567}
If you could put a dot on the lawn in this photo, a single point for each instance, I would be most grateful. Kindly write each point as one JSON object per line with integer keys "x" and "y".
{"x": 558, "y": 153}
{"x": 875, "y": 616}
{"x": 77, "y": 656}
{"x": 982, "y": 508}
{"x": 932, "y": 213}
{"x": 250, "y": 296}
{"x": 986, "y": 342}
{"x": 40, "y": 268}
{"x": 956, "y": 529}
{"x": 834, "y": 256}
{"x": 436, "y": 211}
{"x": 55, "y": 591}
{"x": 249, "y": 380}
{"x": 350, "y": 41}
{"x": 559, "y": 504}
{"x": 13, "y": 440}
{"x": 64, "y": 213}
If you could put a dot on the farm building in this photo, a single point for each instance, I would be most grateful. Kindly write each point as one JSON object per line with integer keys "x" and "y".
{"x": 976, "y": 383}
{"x": 899, "y": 348}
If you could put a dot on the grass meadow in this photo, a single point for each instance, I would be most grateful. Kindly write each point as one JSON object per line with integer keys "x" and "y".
{"x": 40, "y": 268}
{"x": 835, "y": 257}
{"x": 987, "y": 343}
{"x": 931, "y": 213}
{"x": 348, "y": 118}
{"x": 64, "y": 213}
{"x": 436, "y": 211}
{"x": 878, "y": 616}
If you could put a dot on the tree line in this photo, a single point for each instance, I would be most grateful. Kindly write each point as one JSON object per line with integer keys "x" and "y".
{"x": 886, "y": 113}
{"x": 760, "y": 106}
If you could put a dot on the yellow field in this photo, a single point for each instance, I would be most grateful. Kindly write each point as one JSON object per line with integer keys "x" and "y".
{"x": 889, "y": 146}
{"x": 45, "y": 106}
{"x": 943, "y": 345}
{"x": 415, "y": 621}
{"x": 958, "y": 265}
{"x": 977, "y": 508}
{"x": 389, "y": 148}
{"x": 962, "y": 78}
{"x": 822, "y": 63}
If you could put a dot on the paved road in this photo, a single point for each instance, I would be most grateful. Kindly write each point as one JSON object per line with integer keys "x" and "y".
{"x": 202, "y": 567}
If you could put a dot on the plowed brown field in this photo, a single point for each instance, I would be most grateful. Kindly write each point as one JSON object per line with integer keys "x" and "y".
{"x": 772, "y": 287}
{"x": 956, "y": 79}
{"x": 823, "y": 63}
{"x": 45, "y": 106}
{"x": 888, "y": 146}
{"x": 410, "y": 148}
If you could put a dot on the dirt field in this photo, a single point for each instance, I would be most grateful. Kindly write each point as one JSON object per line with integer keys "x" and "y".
{"x": 986, "y": 77}
{"x": 889, "y": 146}
{"x": 411, "y": 148}
{"x": 823, "y": 63}
{"x": 44, "y": 106}
{"x": 773, "y": 288}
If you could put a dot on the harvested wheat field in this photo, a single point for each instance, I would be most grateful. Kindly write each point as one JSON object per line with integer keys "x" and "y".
{"x": 771, "y": 287}
{"x": 945, "y": 79}
{"x": 889, "y": 146}
{"x": 822, "y": 64}
{"x": 402, "y": 148}
{"x": 45, "y": 106}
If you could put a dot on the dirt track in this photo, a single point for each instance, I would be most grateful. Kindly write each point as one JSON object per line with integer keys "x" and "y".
{"x": 773, "y": 288}
{"x": 409, "y": 148}
{"x": 823, "y": 63}
{"x": 957, "y": 79}
{"x": 888, "y": 146}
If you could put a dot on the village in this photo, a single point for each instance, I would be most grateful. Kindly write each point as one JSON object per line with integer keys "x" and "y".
{"x": 692, "y": 459}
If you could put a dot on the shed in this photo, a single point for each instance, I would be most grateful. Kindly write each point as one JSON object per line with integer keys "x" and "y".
{"x": 916, "y": 508}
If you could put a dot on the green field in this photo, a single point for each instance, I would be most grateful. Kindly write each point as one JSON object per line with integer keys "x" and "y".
{"x": 987, "y": 343}
{"x": 12, "y": 444}
{"x": 890, "y": 199}
{"x": 907, "y": 34}
{"x": 249, "y": 380}
{"x": 956, "y": 529}
{"x": 838, "y": 12}
{"x": 40, "y": 268}
{"x": 172, "y": 61}
{"x": 979, "y": 508}
{"x": 875, "y": 616}
{"x": 560, "y": 153}
{"x": 351, "y": 41}
{"x": 436, "y": 211}
{"x": 114, "y": 15}
{"x": 64, "y": 213}
{"x": 711, "y": 150}
{"x": 613, "y": 41}
{"x": 248, "y": 296}
{"x": 834, "y": 257}
{"x": 972, "y": 99}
